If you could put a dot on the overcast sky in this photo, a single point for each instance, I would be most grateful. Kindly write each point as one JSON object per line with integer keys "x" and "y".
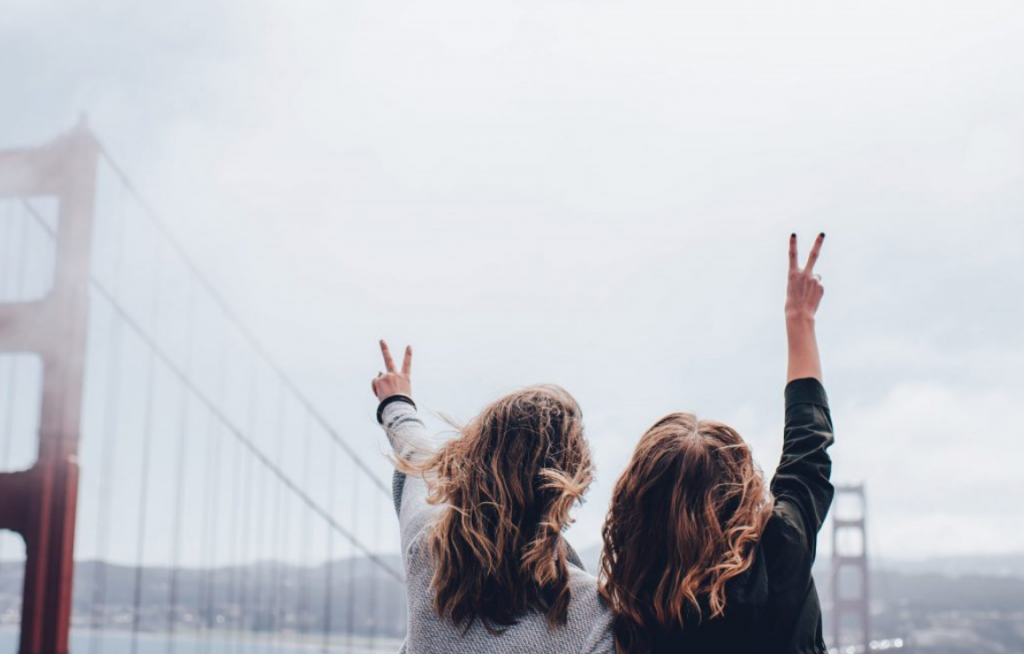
{"x": 596, "y": 194}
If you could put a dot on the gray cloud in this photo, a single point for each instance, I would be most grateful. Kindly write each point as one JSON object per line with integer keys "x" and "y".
{"x": 596, "y": 194}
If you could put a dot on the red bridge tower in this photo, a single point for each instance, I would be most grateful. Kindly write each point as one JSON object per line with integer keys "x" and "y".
{"x": 40, "y": 503}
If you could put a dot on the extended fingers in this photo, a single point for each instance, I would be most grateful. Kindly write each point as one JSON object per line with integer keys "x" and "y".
{"x": 792, "y": 252}
{"x": 815, "y": 251}
{"x": 389, "y": 363}
{"x": 407, "y": 362}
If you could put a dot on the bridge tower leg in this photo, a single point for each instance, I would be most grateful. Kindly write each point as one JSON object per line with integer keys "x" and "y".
{"x": 40, "y": 503}
{"x": 850, "y": 553}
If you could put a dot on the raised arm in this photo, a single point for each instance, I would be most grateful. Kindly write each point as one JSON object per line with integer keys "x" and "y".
{"x": 393, "y": 389}
{"x": 801, "y": 486}
{"x": 397, "y": 414}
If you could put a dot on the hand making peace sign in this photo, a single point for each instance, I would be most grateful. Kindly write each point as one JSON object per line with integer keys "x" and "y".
{"x": 803, "y": 294}
{"x": 390, "y": 383}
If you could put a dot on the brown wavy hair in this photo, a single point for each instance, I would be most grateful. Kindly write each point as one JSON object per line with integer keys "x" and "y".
{"x": 508, "y": 481}
{"x": 684, "y": 519}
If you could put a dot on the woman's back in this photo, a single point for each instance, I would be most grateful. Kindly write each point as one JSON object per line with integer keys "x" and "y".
{"x": 587, "y": 628}
{"x": 481, "y": 518}
{"x": 773, "y": 605}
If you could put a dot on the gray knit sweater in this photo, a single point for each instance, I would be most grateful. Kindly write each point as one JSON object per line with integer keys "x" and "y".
{"x": 587, "y": 631}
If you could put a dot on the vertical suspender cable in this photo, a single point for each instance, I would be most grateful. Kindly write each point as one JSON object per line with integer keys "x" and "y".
{"x": 278, "y": 532}
{"x": 306, "y": 579}
{"x": 258, "y": 574}
{"x": 350, "y": 600}
{"x": 267, "y": 574}
{"x": 183, "y": 431}
{"x": 374, "y": 576}
{"x": 251, "y": 407}
{"x": 212, "y": 597}
{"x": 111, "y": 411}
{"x": 147, "y": 439}
{"x": 328, "y": 560}
{"x": 240, "y": 522}
{"x": 210, "y": 510}
{"x": 286, "y": 569}
{"x": 234, "y": 569}
{"x": 284, "y": 576}
{"x": 204, "y": 540}
{"x": 244, "y": 608}
{"x": 253, "y": 410}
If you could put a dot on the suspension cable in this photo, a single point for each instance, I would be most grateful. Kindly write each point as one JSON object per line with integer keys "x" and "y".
{"x": 233, "y": 429}
{"x": 275, "y": 525}
{"x": 328, "y": 562}
{"x": 183, "y": 431}
{"x": 350, "y": 601}
{"x": 235, "y": 320}
{"x": 147, "y": 443}
{"x": 109, "y": 448}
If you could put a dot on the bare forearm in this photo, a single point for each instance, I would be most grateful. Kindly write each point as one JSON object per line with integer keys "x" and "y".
{"x": 803, "y": 294}
{"x": 804, "y": 359}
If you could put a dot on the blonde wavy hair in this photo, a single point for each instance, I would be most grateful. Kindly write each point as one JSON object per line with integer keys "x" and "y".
{"x": 684, "y": 519}
{"x": 508, "y": 482}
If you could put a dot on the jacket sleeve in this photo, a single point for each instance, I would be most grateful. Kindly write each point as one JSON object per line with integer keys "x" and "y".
{"x": 411, "y": 441}
{"x": 801, "y": 486}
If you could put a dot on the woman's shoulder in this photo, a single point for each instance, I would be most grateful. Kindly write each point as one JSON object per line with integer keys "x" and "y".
{"x": 589, "y": 616}
{"x": 582, "y": 583}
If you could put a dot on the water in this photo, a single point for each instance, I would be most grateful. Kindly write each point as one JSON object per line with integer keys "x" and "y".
{"x": 111, "y": 642}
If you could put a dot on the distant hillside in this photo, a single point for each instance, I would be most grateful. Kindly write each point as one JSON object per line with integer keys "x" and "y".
{"x": 997, "y": 565}
{"x": 993, "y": 565}
{"x": 933, "y": 611}
{"x": 349, "y": 595}
{"x": 954, "y": 605}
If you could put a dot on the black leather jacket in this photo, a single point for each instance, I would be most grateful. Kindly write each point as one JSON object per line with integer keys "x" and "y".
{"x": 773, "y": 607}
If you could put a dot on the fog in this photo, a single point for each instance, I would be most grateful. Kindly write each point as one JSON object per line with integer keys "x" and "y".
{"x": 599, "y": 195}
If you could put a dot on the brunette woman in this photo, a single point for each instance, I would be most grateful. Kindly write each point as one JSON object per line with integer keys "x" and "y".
{"x": 699, "y": 556}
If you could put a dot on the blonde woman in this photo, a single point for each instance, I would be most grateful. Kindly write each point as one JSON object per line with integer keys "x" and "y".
{"x": 481, "y": 518}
